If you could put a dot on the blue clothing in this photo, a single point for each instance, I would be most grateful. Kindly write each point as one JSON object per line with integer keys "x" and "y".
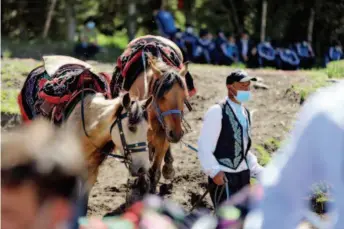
{"x": 190, "y": 41}
{"x": 165, "y": 22}
{"x": 303, "y": 50}
{"x": 266, "y": 51}
{"x": 289, "y": 56}
{"x": 204, "y": 48}
{"x": 335, "y": 54}
{"x": 232, "y": 50}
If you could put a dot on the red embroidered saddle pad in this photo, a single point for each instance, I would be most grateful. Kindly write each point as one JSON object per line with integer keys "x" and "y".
{"x": 133, "y": 61}
{"x": 54, "y": 96}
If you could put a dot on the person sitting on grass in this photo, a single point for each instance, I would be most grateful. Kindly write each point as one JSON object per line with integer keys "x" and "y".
{"x": 334, "y": 53}
{"x": 287, "y": 59}
{"x": 305, "y": 52}
{"x": 266, "y": 54}
{"x": 41, "y": 168}
{"x": 190, "y": 41}
{"x": 205, "y": 46}
{"x": 231, "y": 51}
{"x": 88, "y": 45}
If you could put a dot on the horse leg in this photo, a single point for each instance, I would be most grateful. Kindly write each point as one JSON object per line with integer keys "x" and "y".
{"x": 160, "y": 147}
{"x": 168, "y": 170}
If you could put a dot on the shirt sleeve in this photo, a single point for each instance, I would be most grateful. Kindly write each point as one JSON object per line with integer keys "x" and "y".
{"x": 207, "y": 141}
{"x": 255, "y": 168}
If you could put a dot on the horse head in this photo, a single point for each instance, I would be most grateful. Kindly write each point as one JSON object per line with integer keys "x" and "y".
{"x": 129, "y": 133}
{"x": 169, "y": 94}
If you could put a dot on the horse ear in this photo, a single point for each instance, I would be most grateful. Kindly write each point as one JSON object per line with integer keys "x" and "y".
{"x": 126, "y": 101}
{"x": 152, "y": 62}
{"x": 147, "y": 102}
{"x": 184, "y": 69}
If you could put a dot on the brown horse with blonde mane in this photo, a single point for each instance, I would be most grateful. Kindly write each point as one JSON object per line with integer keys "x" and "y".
{"x": 153, "y": 66}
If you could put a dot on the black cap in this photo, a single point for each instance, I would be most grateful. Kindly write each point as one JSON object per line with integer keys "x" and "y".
{"x": 239, "y": 76}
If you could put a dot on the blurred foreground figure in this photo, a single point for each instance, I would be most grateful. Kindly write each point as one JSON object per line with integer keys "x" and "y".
{"x": 40, "y": 170}
{"x": 314, "y": 152}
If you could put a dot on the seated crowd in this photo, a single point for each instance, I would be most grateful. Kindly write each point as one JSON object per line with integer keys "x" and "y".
{"x": 226, "y": 49}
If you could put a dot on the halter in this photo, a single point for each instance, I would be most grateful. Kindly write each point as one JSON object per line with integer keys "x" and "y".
{"x": 128, "y": 148}
{"x": 161, "y": 115}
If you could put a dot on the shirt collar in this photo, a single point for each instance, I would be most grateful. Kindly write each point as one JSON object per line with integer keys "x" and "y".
{"x": 233, "y": 104}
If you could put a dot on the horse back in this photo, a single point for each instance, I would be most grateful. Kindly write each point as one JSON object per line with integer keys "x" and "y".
{"x": 55, "y": 96}
{"x": 133, "y": 61}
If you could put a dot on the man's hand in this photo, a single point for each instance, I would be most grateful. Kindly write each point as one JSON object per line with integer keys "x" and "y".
{"x": 219, "y": 179}
{"x": 245, "y": 58}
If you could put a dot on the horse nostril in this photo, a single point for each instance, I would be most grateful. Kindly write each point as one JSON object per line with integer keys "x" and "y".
{"x": 171, "y": 134}
{"x": 141, "y": 171}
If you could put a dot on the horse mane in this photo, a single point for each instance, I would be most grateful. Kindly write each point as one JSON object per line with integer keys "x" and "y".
{"x": 135, "y": 113}
{"x": 167, "y": 80}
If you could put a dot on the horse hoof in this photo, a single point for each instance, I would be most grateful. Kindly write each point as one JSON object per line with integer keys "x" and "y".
{"x": 168, "y": 172}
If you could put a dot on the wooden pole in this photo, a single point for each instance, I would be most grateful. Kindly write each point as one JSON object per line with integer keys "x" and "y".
{"x": 49, "y": 18}
{"x": 263, "y": 24}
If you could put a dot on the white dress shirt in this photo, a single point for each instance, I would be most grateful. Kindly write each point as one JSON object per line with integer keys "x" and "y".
{"x": 208, "y": 140}
{"x": 244, "y": 44}
{"x": 314, "y": 152}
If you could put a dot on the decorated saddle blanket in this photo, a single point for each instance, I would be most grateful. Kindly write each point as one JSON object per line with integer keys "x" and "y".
{"x": 133, "y": 61}
{"x": 53, "y": 90}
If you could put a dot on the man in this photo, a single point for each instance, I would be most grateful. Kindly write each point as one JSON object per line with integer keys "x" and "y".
{"x": 266, "y": 54}
{"x": 313, "y": 153}
{"x": 205, "y": 46}
{"x": 231, "y": 50}
{"x": 88, "y": 46}
{"x": 244, "y": 46}
{"x": 287, "y": 59}
{"x": 190, "y": 41}
{"x": 306, "y": 54}
{"x": 334, "y": 53}
{"x": 165, "y": 23}
{"x": 40, "y": 172}
{"x": 224, "y": 143}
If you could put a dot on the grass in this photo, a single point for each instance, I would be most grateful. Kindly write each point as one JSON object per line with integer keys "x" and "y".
{"x": 9, "y": 101}
{"x": 112, "y": 47}
{"x": 263, "y": 155}
{"x": 335, "y": 69}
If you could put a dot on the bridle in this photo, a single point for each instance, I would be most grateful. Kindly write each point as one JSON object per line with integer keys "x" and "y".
{"x": 127, "y": 148}
{"x": 161, "y": 115}
{"x": 109, "y": 146}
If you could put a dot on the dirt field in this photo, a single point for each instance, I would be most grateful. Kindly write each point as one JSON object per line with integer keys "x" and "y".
{"x": 273, "y": 114}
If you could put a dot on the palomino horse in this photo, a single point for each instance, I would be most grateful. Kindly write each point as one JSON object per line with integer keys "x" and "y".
{"x": 101, "y": 124}
{"x": 153, "y": 66}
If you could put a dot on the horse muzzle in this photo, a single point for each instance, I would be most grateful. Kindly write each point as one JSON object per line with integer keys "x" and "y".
{"x": 174, "y": 136}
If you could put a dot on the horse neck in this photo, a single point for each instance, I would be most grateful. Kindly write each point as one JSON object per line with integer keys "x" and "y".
{"x": 98, "y": 117}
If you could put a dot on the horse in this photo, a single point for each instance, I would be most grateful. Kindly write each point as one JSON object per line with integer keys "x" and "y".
{"x": 159, "y": 72}
{"x": 102, "y": 124}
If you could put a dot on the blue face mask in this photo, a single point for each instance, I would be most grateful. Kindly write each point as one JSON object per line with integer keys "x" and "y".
{"x": 243, "y": 96}
{"x": 91, "y": 25}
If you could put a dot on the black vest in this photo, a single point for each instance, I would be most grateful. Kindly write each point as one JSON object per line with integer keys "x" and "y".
{"x": 229, "y": 150}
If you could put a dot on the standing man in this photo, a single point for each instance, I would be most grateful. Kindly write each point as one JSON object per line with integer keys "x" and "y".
{"x": 165, "y": 22}
{"x": 225, "y": 141}
{"x": 88, "y": 44}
